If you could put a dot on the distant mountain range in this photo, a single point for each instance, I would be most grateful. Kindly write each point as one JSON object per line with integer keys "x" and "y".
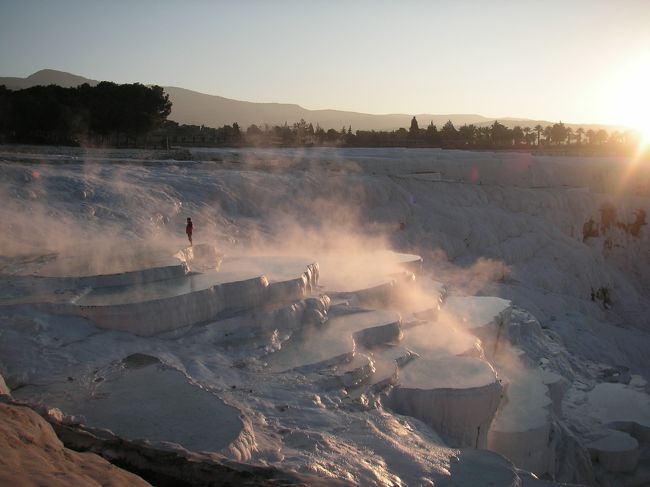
{"x": 192, "y": 107}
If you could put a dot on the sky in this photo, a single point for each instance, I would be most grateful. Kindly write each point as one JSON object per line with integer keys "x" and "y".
{"x": 577, "y": 61}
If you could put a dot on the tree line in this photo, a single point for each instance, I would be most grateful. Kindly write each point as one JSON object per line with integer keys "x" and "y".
{"x": 111, "y": 114}
{"x": 105, "y": 114}
{"x": 468, "y": 136}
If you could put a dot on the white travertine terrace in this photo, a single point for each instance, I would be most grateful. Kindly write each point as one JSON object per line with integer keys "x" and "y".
{"x": 476, "y": 311}
{"x": 347, "y": 273}
{"x": 621, "y": 407}
{"x": 456, "y": 396}
{"x": 557, "y": 387}
{"x": 521, "y": 223}
{"x": 483, "y": 316}
{"x": 83, "y": 267}
{"x": 437, "y": 338}
{"x": 521, "y": 430}
{"x": 239, "y": 284}
{"x": 615, "y": 451}
{"x": 426, "y": 300}
{"x": 334, "y": 341}
{"x": 201, "y": 257}
{"x": 350, "y": 374}
{"x": 141, "y": 398}
{"x": 387, "y": 361}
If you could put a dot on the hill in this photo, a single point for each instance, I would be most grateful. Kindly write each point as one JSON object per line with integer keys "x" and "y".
{"x": 195, "y": 108}
{"x": 46, "y": 77}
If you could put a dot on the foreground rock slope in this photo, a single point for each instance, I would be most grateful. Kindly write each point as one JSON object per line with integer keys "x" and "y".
{"x": 32, "y": 455}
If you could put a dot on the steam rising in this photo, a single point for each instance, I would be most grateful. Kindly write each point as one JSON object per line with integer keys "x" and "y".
{"x": 92, "y": 213}
{"x": 479, "y": 238}
{"x": 113, "y": 213}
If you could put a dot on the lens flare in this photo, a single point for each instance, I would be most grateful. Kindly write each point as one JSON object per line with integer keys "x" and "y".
{"x": 626, "y": 99}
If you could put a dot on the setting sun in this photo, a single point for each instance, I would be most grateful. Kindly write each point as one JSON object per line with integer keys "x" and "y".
{"x": 627, "y": 98}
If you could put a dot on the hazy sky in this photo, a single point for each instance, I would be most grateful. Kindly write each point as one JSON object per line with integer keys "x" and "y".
{"x": 545, "y": 59}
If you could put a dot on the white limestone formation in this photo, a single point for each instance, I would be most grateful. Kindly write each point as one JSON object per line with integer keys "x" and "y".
{"x": 387, "y": 362}
{"x": 484, "y": 316}
{"x": 160, "y": 306}
{"x": 347, "y": 272}
{"x": 141, "y": 398}
{"x": 615, "y": 451}
{"x": 125, "y": 265}
{"x": 557, "y": 388}
{"x": 201, "y": 257}
{"x": 362, "y": 396}
{"x": 426, "y": 300}
{"x": 350, "y": 374}
{"x": 620, "y": 407}
{"x": 522, "y": 429}
{"x": 433, "y": 339}
{"x": 456, "y": 396}
{"x": 333, "y": 342}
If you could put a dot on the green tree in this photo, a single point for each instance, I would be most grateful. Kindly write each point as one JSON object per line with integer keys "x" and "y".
{"x": 236, "y": 132}
{"x": 615, "y": 137}
{"x": 558, "y": 133}
{"x": 414, "y": 130}
{"x": 332, "y": 135}
{"x": 431, "y": 133}
{"x": 319, "y": 133}
{"x": 500, "y": 134}
{"x": 538, "y": 130}
{"x": 467, "y": 134}
{"x": 300, "y": 131}
{"x": 601, "y": 136}
{"x": 448, "y": 133}
{"x": 483, "y": 134}
{"x": 53, "y": 114}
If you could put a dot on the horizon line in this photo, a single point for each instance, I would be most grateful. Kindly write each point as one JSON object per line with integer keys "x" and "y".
{"x": 490, "y": 118}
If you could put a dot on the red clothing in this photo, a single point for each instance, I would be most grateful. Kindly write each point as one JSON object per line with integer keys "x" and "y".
{"x": 188, "y": 228}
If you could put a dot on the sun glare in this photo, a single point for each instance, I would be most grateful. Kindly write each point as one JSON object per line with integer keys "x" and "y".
{"x": 627, "y": 98}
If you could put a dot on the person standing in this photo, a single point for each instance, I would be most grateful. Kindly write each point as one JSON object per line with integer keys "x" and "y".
{"x": 189, "y": 228}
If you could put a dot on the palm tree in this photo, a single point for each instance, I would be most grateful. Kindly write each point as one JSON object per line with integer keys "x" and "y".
{"x": 628, "y": 136}
{"x": 484, "y": 134}
{"x": 538, "y": 128}
{"x": 569, "y": 134}
{"x": 527, "y": 131}
{"x": 547, "y": 134}
{"x": 591, "y": 136}
{"x": 615, "y": 137}
{"x": 579, "y": 133}
{"x": 558, "y": 133}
